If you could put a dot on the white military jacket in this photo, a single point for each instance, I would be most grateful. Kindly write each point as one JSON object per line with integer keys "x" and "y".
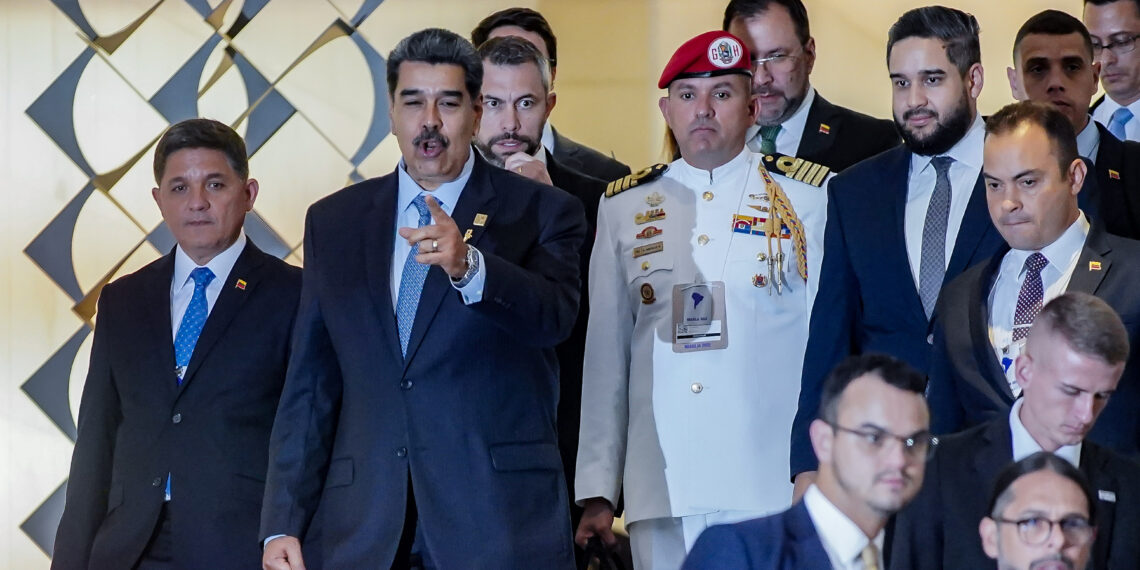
{"x": 688, "y": 433}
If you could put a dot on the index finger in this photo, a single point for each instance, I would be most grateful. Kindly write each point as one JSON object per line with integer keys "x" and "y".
{"x": 436, "y": 210}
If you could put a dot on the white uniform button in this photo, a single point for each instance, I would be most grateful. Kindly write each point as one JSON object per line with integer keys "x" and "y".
{"x": 697, "y": 388}
{"x": 703, "y": 239}
{"x": 930, "y": 339}
{"x": 708, "y": 196}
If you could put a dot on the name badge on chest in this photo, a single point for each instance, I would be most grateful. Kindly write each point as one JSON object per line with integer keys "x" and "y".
{"x": 699, "y": 317}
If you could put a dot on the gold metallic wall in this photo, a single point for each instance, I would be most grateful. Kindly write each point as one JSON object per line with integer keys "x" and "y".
{"x": 83, "y": 99}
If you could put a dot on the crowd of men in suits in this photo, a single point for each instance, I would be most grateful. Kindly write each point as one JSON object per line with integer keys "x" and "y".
{"x": 814, "y": 339}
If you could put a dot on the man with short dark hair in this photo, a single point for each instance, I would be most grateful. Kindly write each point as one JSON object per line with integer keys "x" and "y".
{"x": 1066, "y": 373}
{"x": 533, "y": 27}
{"x": 1114, "y": 26}
{"x": 1042, "y": 514}
{"x": 795, "y": 120}
{"x": 901, "y": 224}
{"x": 872, "y": 438}
{"x": 1053, "y": 63}
{"x": 186, "y": 370}
{"x": 1033, "y": 176}
{"x": 417, "y": 424}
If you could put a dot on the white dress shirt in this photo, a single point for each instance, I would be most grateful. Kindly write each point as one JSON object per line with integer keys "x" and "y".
{"x": 407, "y": 216}
{"x": 964, "y": 172}
{"x": 842, "y": 539}
{"x": 791, "y": 130}
{"x": 1088, "y": 141}
{"x": 182, "y": 286}
{"x": 1024, "y": 445}
{"x": 1062, "y": 256}
{"x": 547, "y": 136}
{"x": 1104, "y": 111}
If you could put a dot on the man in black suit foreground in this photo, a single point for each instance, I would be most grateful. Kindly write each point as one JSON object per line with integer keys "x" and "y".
{"x": 517, "y": 101}
{"x": 1066, "y": 372}
{"x": 533, "y": 27}
{"x": 1042, "y": 515}
{"x": 1033, "y": 175}
{"x": 186, "y": 370}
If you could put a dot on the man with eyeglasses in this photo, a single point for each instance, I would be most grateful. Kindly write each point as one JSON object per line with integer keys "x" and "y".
{"x": 1070, "y": 366}
{"x": 1115, "y": 26}
{"x": 1040, "y": 516}
{"x": 873, "y": 441}
{"x": 795, "y": 120}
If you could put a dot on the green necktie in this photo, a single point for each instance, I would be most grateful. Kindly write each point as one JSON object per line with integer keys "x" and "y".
{"x": 768, "y": 139}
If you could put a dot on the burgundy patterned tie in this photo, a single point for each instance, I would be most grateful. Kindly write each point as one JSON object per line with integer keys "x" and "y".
{"x": 1029, "y": 300}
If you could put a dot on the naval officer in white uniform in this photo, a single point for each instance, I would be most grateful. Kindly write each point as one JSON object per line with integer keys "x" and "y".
{"x": 701, "y": 280}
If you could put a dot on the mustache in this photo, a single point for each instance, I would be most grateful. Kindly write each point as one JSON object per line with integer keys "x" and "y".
{"x": 920, "y": 113}
{"x": 1065, "y": 560}
{"x": 431, "y": 135}
{"x": 512, "y": 137}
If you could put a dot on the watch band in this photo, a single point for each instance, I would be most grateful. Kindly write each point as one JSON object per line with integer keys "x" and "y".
{"x": 472, "y": 268}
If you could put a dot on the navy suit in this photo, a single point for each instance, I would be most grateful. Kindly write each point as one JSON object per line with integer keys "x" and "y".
{"x": 837, "y": 137}
{"x": 783, "y": 541}
{"x": 211, "y": 432}
{"x": 465, "y": 422}
{"x": 868, "y": 300}
{"x": 1112, "y": 188}
{"x": 586, "y": 160}
{"x": 967, "y": 384}
{"x": 938, "y": 530}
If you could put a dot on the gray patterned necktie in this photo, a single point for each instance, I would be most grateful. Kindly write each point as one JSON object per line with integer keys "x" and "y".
{"x": 932, "y": 268}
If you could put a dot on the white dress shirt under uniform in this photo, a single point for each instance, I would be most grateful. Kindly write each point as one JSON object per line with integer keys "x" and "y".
{"x": 1024, "y": 445}
{"x": 182, "y": 286}
{"x": 1062, "y": 256}
{"x": 964, "y": 172}
{"x": 1104, "y": 111}
{"x": 842, "y": 539}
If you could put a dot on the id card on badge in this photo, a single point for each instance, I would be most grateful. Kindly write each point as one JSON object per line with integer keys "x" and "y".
{"x": 699, "y": 317}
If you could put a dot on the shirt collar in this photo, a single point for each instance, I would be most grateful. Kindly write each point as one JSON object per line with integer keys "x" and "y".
{"x": 548, "y": 136}
{"x": 447, "y": 193}
{"x": 967, "y": 151}
{"x": 838, "y": 533}
{"x": 1088, "y": 140}
{"x": 690, "y": 172}
{"x": 220, "y": 265}
{"x": 1061, "y": 253}
{"x": 1024, "y": 445}
{"x": 540, "y": 154}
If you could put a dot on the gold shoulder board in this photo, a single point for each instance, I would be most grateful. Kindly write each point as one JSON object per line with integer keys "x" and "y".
{"x": 799, "y": 169}
{"x": 647, "y": 174}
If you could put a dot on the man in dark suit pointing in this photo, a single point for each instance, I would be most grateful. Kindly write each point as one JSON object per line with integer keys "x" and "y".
{"x": 417, "y": 425}
{"x": 186, "y": 370}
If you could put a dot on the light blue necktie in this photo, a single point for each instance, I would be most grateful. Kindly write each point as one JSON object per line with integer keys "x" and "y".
{"x": 411, "y": 282}
{"x": 192, "y": 320}
{"x": 1120, "y": 117}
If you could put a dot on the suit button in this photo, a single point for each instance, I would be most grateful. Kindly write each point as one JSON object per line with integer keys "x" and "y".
{"x": 697, "y": 388}
{"x": 930, "y": 338}
{"x": 157, "y": 481}
{"x": 703, "y": 239}
{"x": 406, "y": 385}
{"x": 177, "y": 418}
{"x": 401, "y": 452}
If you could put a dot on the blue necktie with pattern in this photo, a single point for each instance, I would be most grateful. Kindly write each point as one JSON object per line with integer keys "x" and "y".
{"x": 411, "y": 282}
{"x": 192, "y": 320}
{"x": 1120, "y": 117}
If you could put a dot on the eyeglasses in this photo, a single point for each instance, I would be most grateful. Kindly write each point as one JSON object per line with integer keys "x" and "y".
{"x": 1035, "y": 531}
{"x": 780, "y": 63}
{"x": 1121, "y": 45}
{"x": 920, "y": 444}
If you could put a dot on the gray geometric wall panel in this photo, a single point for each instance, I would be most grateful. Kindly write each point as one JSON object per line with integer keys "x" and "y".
{"x": 54, "y": 110}
{"x": 51, "y": 249}
{"x": 269, "y": 114}
{"x": 42, "y": 524}
{"x": 177, "y": 100}
{"x": 48, "y": 387}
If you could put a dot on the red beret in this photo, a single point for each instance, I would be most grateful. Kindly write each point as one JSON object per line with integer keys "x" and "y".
{"x": 707, "y": 55}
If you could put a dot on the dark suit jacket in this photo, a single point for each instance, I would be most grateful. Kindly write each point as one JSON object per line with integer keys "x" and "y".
{"x": 939, "y": 528}
{"x": 571, "y": 352}
{"x": 783, "y": 541}
{"x": 967, "y": 385}
{"x": 867, "y": 300}
{"x": 468, "y": 417}
{"x": 848, "y": 137}
{"x": 1112, "y": 190}
{"x": 586, "y": 160}
{"x": 211, "y": 433}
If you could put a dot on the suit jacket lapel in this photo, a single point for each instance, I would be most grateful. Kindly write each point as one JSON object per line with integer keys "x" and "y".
{"x": 477, "y": 198}
{"x": 1105, "y": 191}
{"x": 975, "y": 224}
{"x": 806, "y": 544}
{"x": 995, "y": 452}
{"x": 155, "y": 307}
{"x": 813, "y": 142}
{"x": 1093, "y": 264}
{"x": 379, "y": 241}
{"x": 979, "y": 311}
{"x": 898, "y": 177}
{"x": 1094, "y": 464}
{"x": 229, "y": 303}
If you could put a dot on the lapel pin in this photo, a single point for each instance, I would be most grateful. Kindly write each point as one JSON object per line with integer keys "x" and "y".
{"x": 240, "y": 284}
{"x": 1113, "y": 174}
{"x": 1106, "y": 496}
{"x": 480, "y": 219}
{"x": 824, "y": 128}
{"x": 467, "y": 235}
{"x": 1094, "y": 266}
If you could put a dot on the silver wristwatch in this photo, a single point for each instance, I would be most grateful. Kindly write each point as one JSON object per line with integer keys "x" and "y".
{"x": 472, "y": 268}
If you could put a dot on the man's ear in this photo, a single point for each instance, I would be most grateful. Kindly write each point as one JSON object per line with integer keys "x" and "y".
{"x": 822, "y": 439}
{"x": 551, "y": 101}
{"x": 987, "y": 528}
{"x": 1015, "y": 84}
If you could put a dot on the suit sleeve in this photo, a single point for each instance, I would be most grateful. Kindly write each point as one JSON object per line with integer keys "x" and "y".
{"x": 301, "y": 442}
{"x": 536, "y": 302}
{"x": 88, "y": 486}
{"x": 605, "y": 374}
{"x": 946, "y": 412}
{"x": 917, "y": 540}
{"x": 831, "y": 336}
{"x": 719, "y": 547}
